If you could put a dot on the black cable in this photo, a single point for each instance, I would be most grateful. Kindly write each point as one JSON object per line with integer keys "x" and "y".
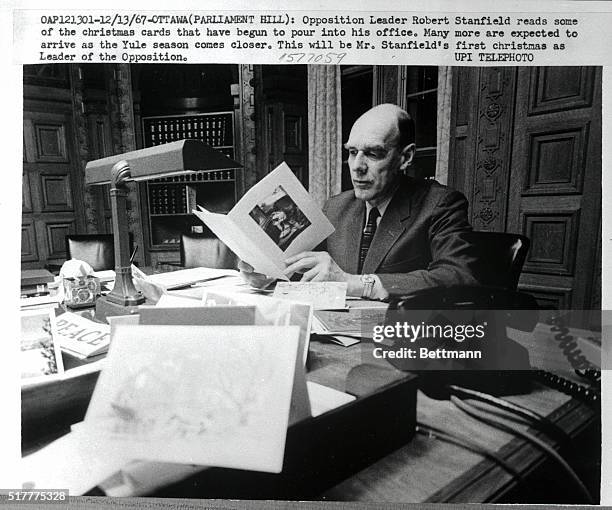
{"x": 589, "y": 395}
{"x": 590, "y": 374}
{"x": 480, "y": 416}
{"x": 468, "y": 444}
{"x": 536, "y": 419}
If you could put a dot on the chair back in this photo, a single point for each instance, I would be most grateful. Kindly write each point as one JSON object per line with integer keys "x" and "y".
{"x": 200, "y": 250}
{"x": 95, "y": 249}
{"x": 500, "y": 257}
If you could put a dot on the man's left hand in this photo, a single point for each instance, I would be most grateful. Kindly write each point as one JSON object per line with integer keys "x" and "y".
{"x": 316, "y": 266}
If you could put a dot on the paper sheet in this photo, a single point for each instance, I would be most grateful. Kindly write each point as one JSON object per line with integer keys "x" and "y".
{"x": 186, "y": 277}
{"x": 321, "y": 295}
{"x": 76, "y": 462}
{"x": 323, "y": 398}
{"x": 82, "y": 337}
{"x": 169, "y": 301}
{"x": 274, "y": 311}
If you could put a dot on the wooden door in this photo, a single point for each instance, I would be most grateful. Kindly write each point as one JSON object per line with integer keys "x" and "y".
{"x": 281, "y": 101}
{"x": 51, "y": 207}
{"x": 287, "y": 130}
{"x": 525, "y": 148}
{"x": 555, "y": 186}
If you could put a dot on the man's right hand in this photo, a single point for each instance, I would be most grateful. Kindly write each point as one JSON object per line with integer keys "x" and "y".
{"x": 256, "y": 280}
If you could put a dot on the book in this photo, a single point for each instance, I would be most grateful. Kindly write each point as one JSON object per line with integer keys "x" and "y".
{"x": 81, "y": 337}
{"x": 275, "y": 219}
{"x": 33, "y": 277}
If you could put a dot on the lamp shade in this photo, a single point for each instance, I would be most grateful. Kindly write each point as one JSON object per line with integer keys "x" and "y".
{"x": 174, "y": 158}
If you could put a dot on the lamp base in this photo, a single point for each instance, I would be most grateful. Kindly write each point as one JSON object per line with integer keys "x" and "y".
{"x": 106, "y": 308}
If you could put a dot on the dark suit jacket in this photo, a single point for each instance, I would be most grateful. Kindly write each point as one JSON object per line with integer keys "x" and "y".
{"x": 419, "y": 242}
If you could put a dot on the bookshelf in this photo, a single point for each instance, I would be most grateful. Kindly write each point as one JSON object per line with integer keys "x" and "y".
{"x": 170, "y": 200}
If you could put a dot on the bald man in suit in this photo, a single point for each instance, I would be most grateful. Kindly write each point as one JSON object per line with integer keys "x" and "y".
{"x": 394, "y": 235}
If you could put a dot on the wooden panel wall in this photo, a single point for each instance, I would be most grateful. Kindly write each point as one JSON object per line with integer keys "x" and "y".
{"x": 51, "y": 202}
{"x": 526, "y": 151}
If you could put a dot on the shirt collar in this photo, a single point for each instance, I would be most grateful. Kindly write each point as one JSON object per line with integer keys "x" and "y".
{"x": 382, "y": 207}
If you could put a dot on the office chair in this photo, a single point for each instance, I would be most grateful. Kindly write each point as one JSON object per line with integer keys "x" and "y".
{"x": 500, "y": 258}
{"x": 200, "y": 250}
{"x": 95, "y": 249}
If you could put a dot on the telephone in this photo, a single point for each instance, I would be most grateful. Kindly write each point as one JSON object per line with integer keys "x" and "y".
{"x": 505, "y": 368}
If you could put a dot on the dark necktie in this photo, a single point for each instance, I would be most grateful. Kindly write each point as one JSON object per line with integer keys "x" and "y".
{"x": 366, "y": 238}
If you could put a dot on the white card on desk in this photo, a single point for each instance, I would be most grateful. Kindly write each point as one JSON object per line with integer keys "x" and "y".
{"x": 198, "y": 316}
{"x": 321, "y": 295}
{"x": 208, "y": 395}
{"x": 106, "y": 275}
{"x": 343, "y": 340}
{"x": 270, "y": 311}
{"x": 185, "y": 277}
{"x": 82, "y": 337}
{"x": 76, "y": 462}
{"x": 170, "y": 301}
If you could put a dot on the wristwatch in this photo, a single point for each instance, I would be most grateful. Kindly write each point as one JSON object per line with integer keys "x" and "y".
{"x": 368, "y": 281}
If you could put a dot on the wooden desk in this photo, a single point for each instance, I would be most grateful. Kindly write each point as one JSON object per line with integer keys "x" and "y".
{"x": 428, "y": 469}
{"x": 432, "y": 470}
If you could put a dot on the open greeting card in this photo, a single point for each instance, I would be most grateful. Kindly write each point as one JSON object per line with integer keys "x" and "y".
{"x": 275, "y": 219}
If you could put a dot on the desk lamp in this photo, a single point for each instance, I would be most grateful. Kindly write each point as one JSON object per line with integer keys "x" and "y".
{"x": 171, "y": 159}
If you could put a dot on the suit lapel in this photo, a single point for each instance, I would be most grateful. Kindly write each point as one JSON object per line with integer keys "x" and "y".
{"x": 391, "y": 227}
{"x": 351, "y": 233}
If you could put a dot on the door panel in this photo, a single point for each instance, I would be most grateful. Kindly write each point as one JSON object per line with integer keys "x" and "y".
{"x": 50, "y": 210}
{"x": 561, "y": 88}
{"x": 29, "y": 249}
{"x": 54, "y": 234}
{"x": 525, "y": 149}
{"x": 555, "y": 195}
{"x": 55, "y": 190}
{"x": 26, "y": 198}
{"x": 50, "y": 141}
